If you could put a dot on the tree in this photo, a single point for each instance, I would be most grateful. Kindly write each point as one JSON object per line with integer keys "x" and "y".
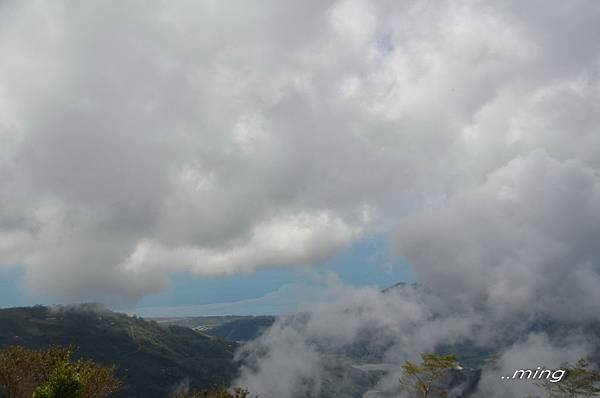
{"x": 424, "y": 380}
{"x": 26, "y": 373}
{"x": 98, "y": 381}
{"x": 64, "y": 382}
{"x": 580, "y": 381}
{"x": 22, "y": 370}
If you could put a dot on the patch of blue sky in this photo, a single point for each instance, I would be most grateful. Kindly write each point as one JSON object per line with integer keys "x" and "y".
{"x": 267, "y": 290}
{"x": 11, "y": 292}
{"x": 384, "y": 43}
{"x": 277, "y": 290}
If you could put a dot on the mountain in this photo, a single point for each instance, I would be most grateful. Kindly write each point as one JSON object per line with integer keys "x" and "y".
{"x": 243, "y": 329}
{"x": 152, "y": 359}
{"x": 233, "y": 328}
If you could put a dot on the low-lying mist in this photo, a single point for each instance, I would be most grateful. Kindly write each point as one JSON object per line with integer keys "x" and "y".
{"x": 326, "y": 346}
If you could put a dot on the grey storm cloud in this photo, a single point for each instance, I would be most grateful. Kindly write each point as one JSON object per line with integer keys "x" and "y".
{"x": 143, "y": 138}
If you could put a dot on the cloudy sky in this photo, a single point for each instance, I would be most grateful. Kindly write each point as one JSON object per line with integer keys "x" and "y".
{"x": 182, "y": 153}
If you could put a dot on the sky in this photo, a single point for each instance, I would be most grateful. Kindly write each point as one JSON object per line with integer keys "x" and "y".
{"x": 271, "y": 291}
{"x": 190, "y": 153}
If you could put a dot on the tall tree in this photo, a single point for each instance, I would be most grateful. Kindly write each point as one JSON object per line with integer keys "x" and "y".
{"x": 425, "y": 380}
{"x": 580, "y": 381}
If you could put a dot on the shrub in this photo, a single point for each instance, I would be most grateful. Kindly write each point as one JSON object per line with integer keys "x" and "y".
{"x": 50, "y": 373}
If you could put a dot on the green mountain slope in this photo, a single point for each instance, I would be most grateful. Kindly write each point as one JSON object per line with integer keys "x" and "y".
{"x": 244, "y": 329}
{"x": 152, "y": 359}
{"x": 233, "y": 328}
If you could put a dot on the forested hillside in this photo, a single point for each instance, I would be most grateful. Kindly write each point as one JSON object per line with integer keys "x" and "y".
{"x": 151, "y": 359}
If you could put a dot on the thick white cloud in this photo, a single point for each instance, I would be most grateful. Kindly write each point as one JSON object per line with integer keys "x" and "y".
{"x": 215, "y": 137}
{"x": 523, "y": 241}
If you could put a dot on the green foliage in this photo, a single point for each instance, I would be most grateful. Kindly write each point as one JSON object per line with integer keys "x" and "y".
{"x": 64, "y": 382}
{"x": 83, "y": 379}
{"x": 151, "y": 358}
{"x": 424, "y": 380}
{"x": 22, "y": 370}
{"x": 98, "y": 381}
{"x": 50, "y": 373}
{"x": 580, "y": 381}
